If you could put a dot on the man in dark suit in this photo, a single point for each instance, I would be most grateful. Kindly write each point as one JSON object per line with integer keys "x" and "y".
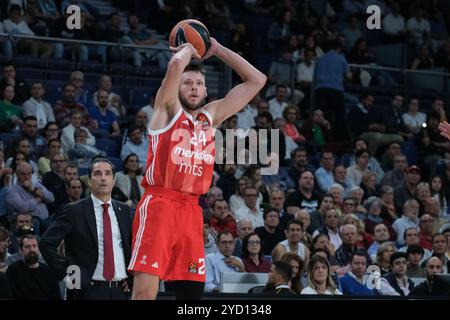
{"x": 279, "y": 277}
{"x": 97, "y": 237}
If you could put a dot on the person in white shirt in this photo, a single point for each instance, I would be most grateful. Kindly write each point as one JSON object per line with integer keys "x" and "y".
{"x": 414, "y": 119}
{"x": 36, "y": 106}
{"x": 278, "y": 103}
{"x": 250, "y": 211}
{"x": 396, "y": 283}
{"x": 294, "y": 235}
{"x": 319, "y": 278}
{"x": 67, "y": 136}
{"x": 394, "y": 23}
{"x": 305, "y": 70}
{"x": 221, "y": 261}
{"x": 16, "y": 24}
{"x": 418, "y": 27}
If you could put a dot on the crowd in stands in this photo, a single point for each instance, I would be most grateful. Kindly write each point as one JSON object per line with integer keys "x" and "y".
{"x": 361, "y": 182}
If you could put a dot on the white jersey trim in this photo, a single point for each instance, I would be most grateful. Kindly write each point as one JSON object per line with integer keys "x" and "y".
{"x": 162, "y": 130}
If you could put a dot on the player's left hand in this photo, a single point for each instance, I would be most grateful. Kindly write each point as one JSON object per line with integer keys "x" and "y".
{"x": 444, "y": 127}
{"x": 212, "y": 49}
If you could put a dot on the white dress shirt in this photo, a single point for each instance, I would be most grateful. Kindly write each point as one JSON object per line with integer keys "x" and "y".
{"x": 215, "y": 265}
{"x": 245, "y": 213}
{"x": 120, "y": 272}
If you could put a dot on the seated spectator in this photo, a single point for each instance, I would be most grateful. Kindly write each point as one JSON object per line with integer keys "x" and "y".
{"x": 361, "y": 54}
{"x": 51, "y": 131}
{"x": 381, "y": 235}
{"x": 21, "y": 145}
{"x": 433, "y": 266}
{"x": 4, "y": 254}
{"x": 368, "y": 184}
{"x": 352, "y": 32}
{"x": 105, "y": 119}
{"x": 423, "y": 60}
{"x": 22, "y": 220}
{"x": 227, "y": 181}
{"x": 414, "y": 119}
{"x": 317, "y": 131}
{"x": 319, "y": 278}
{"x": 17, "y": 24}
{"x": 252, "y": 255}
{"x": 345, "y": 251}
{"x": 411, "y": 237}
{"x": 208, "y": 239}
{"x": 142, "y": 37}
{"x": 305, "y": 71}
{"x": 437, "y": 191}
{"x": 279, "y": 277}
{"x": 221, "y": 261}
{"x": 298, "y": 271}
{"x": 340, "y": 177}
{"x": 304, "y": 197}
{"x": 130, "y": 179}
{"x": 396, "y": 282}
{"x": 432, "y": 208}
{"x": 135, "y": 145}
{"x": 394, "y": 27}
{"x": 82, "y": 152}
{"x": 363, "y": 239}
{"x": 440, "y": 244}
{"x": 384, "y": 253}
{"x": 67, "y": 104}
{"x": 374, "y": 207}
{"x": 74, "y": 190}
{"x": 414, "y": 256}
{"x": 291, "y": 129}
{"x": 280, "y": 30}
{"x": 29, "y": 279}
{"x": 250, "y": 211}
{"x": 222, "y": 219}
{"x": 396, "y": 176}
{"x": 407, "y": 190}
{"x": 299, "y": 164}
{"x": 321, "y": 242}
{"x": 293, "y": 242}
{"x": 141, "y": 121}
{"x": 324, "y": 174}
{"x": 393, "y": 150}
{"x": 68, "y": 132}
{"x": 37, "y": 107}
{"x": 54, "y": 180}
{"x": 354, "y": 282}
{"x": 357, "y": 194}
{"x": 45, "y": 14}
{"x": 409, "y": 219}
{"x": 418, "y": 27}
{"x": 317, "y": 217}
{"x": 81, "y": 94}
{"x": 27, "y": 196}
{"x": 388, "y": 210}
{"x": 115, "y": 103}
{"x": 244, "y": 228}
{"x": 374, "y": 165}
{"x": 330, "y": 228}
{"x": 10, "y": 114}
{"x": 38, "y": 145}
{"x": 21, "y": 87}
{"x": 357, "y": 171}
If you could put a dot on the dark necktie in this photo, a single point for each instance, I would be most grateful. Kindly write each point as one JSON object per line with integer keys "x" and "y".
{"x": 108, "y": 254}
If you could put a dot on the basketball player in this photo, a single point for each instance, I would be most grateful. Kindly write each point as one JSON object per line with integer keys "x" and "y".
{"x": 444, "y": 127}
{"x": 168, "y": 226}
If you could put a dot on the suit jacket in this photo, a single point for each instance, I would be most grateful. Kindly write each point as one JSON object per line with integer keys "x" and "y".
{"x": 76, "y": 225}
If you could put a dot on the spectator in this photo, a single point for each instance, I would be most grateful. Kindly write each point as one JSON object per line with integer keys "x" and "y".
{"x": 411, "y": 236}
{"x": 415, "y": 254}
{"x": 368, "y": 184}
{"x": 221, "y": 261}
{"x": 103, "y": 256}
{"x": 141, "y": 121}
{"x": 74, "y": 190}
{"x": 303, "y": 216}
{"x": 433, "y": 266}
{"x": 222, "y": 219}
{"x": 432, "y": 208}
{"x": 68, "y": 133}
{"x": 277, "y": 199}
{"x": 396, "y": 176}
{"x": 250, "y": 211}
{"x": 142, "y": 37}
{"x": 244, "y": 228}
{"x": 423, "y": 60}
{"x": 414, "y": 119}
{"x": 394, "y": 120}
{"x": 17, "y": 24}
{"x": 437, "y": 191}
{"x": 213, "y": 194}
{"x": 242, "y": 41}
{"x": 409, "y": 219}
{"x": 55, "y": 179}
{"x": 22, "y": 220}
{"x": 278, "y": 103}
{"x": 384, "y": 253}
{"x": 299, "y": 164}
{"x": 407, "y": 190}
{"x": 324, "y": 175}
{"x": 374, "y": 207}
{"x": 293, "y": 243}
{"x": 252, "y": 255}
{"x": 317, "y": 131}
{"x": 357, "y": 171}
{"x": 426, "y": 225}
{"x": 317, "y": 217}
{"x": 135, "y": 145}
{"x": 115, "y": 103}
{"x": 305, "y": 71}
{"x": 340, "y": 177}
{"x": 27, "y": 196}
{"x": 291, "y": 129}
{"x": 77, "y": 80}
{"x": 298, "y": 269}
{"x": 394, "y": 27}
{"x": 374, "y": 165}
{"x": 280, "y": 30}
{"x": 388, "y": 210}
{"x": 10, "y": 114}
{"x": 319, "y": 278}
{"x": 279, "y": 277}
{"x": 304, "y": 197}
{"x": 38, "y": 144}
{"x": 331, "y": 228}
{"x": 330, "y": 70}
{"x": 381, "y": 235}
{"x": 393, "y": 150}
{"x": 67, "y": 104}
{"x": 130, "y": 179}
{"x": 37, "y": 107}
{"x": 354, "y": 282}
{"x": 345, "y": 251}
{"x": 440, "y": 244}
{"x": 208, "y": 239}
{"x": 337, "y": 191}
{"x": 21, "y": 88}
{"x": 227, "y": 181}
{"x": 51, "y": 131}
{"x": 271, "y": 233}
{"x": 363, "y": 238}
{"x": 4, "y": 243}
{"x": 106, "y": 120}
{"x": 82, "y": 152}
{"x": 395, "y": 282}
{"x": 28, "y": 278}
{"x": 418, "y": 27}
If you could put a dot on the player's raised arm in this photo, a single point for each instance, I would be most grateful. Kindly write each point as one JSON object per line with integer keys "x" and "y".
{"x": 167, "y": 96}
{"x": 239, "y": 96}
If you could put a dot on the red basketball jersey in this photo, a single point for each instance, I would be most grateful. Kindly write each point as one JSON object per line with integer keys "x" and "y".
{"x": 181, "y": 155}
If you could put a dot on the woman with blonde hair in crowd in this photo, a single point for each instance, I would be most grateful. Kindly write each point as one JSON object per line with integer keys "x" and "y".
{"x": 364, "y": 239}
{"x": 422, "y": 193}
{"x": 368, "y": 184}
{"x": 384, "y": 253}
{"x": 319, "y": 278}
{"x": 298, "y": 265}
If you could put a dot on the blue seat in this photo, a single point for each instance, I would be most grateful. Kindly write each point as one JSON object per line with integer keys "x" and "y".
{"x": 409, "y": 149}
{"x": 109, "y": 146}
{"x": 346, "y": 158}
{"x": 7, "y": 139}
{"x": 117, "y": 162}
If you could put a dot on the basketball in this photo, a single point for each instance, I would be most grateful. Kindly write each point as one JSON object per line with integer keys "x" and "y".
{"x": 192, "y": 31}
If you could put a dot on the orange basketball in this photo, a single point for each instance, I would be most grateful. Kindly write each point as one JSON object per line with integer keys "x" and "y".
{"x": 192, "y": 31}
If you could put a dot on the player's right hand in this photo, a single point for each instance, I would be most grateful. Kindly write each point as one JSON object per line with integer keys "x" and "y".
{"x": 190, "y": 47}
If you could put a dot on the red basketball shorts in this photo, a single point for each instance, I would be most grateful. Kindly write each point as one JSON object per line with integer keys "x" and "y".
{"x": 168, "y": 236}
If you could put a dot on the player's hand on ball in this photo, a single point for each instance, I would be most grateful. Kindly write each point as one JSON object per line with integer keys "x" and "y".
{"x": 186, "y": 45}
{"x": 212, "y": 49}
{"x": 444, "y": 127}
